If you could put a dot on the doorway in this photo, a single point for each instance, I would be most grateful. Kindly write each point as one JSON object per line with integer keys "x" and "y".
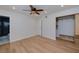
{"x": 4, "y": 29}
{"x": 65, "y": 28}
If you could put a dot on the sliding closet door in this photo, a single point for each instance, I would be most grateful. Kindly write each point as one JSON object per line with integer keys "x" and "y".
{"x": 59, "y": 28}
{"x": 68, "y": 26}
{"x": 65, "y": 26}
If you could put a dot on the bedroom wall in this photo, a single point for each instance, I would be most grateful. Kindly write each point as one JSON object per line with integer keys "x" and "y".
{"x": 21, "y": 25}
{"x": 49, "y": 23}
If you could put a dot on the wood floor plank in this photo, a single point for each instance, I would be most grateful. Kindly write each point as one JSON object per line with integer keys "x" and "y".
{"x": 39, "y": 45}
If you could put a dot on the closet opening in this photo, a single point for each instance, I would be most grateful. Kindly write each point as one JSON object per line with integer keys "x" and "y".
{"x": 65, "y": 28}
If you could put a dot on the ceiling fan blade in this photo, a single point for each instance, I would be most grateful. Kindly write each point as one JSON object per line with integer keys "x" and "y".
{"x": 31, "y": 7}
{"x": 40, "y": 10}
{"x": 37, "y": 13}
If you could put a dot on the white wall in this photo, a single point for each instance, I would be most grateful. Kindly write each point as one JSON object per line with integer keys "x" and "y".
{"x": 21, "y": 26}
{"x": 49, "y": 24}
{"x": 48, "y": 27}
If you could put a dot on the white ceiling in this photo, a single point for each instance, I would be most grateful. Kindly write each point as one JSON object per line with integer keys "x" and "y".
{"x": 49, "y": 8}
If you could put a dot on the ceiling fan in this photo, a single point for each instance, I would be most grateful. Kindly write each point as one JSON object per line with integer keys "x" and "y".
{"x": 34, "y": 10}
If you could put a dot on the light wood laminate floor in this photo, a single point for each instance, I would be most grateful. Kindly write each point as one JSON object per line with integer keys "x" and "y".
{"x": 38, "y": 44}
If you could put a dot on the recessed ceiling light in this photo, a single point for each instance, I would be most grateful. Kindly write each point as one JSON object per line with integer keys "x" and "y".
{"x": 13, "y": 8}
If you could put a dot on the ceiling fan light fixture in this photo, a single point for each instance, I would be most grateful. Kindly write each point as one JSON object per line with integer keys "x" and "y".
{"x": 36, "y": 15}
{"x": 33, "y": 12}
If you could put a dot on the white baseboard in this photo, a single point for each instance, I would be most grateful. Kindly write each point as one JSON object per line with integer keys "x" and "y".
{"x": 14, "y": 40}
{"x": 49, "y": 37}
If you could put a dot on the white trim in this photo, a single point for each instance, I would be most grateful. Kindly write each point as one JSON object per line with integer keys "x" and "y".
{"x": 14, "y": 40}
